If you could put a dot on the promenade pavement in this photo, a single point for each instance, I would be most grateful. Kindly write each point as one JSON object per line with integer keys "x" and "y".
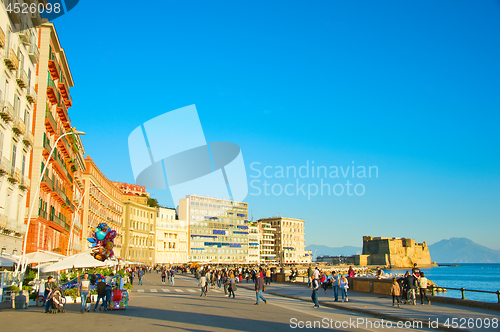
{"x": 442, "y": 316}
{"x": 154, "y": 306}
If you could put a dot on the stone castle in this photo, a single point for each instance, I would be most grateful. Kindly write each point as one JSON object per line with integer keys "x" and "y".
{"x": 393, "y": 252}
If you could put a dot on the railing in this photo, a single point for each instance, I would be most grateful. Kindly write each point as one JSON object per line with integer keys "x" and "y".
{"x": 46, "y": 144}
{"x": 49, "y": 181}
{"x": 7, "y": 111}
{"x": 22, "y": 78}
{"x": 11, "y": 59}
{"x": 61, "y": 164}
{"x": 434, "y": 288}
{"x": 4, "y": 220}
{"x": 62, "y": 110}
{"x": 42, "y": 213}
{"x": 31, "y": 94}
{"x": 4, "y": 165}
{"x": 28, "y": 139}
{"x": 34, "y": 53}
{"x": 58, "y": 221}
{"x": 50, "y": 117}
{"x": 18, "y": 126}
{"x": 25, "y": 183}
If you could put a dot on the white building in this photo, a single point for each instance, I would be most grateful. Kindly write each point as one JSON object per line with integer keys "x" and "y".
{"x": 254, "y": 243}
{"x": 170, "y": 238}
{"x": 217, "y": 229}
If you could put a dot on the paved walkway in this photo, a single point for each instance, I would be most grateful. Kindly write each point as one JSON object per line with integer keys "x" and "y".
{"x": 440, "y": 316}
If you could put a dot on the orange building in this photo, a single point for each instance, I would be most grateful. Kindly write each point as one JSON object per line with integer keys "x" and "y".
{"x": 102, "y": 204}
{"x": 62, "y": 184}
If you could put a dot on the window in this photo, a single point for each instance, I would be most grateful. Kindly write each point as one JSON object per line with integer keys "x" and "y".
{"x": 14, "y": 152}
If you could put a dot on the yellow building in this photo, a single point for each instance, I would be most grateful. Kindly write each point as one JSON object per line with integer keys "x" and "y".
{"x": 138, "y": 229}
{"x": 289, "y": 240}
{"x": 102, "y": 204}
{"x": 171, "y": 238}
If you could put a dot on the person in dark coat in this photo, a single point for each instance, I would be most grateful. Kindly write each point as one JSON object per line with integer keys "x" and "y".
{"x": 259, "y": 287}
{"x": 101, "y": 294}
{"x": 411, "y": 284}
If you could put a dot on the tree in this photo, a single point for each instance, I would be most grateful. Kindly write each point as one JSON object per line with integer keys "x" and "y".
{"x": 153, "y": 202}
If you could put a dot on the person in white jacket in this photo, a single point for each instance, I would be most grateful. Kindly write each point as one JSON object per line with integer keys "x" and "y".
{"x": 203, "y": 284}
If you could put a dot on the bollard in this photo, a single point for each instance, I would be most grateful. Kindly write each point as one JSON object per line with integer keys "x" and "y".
{"x": 433, "y": 290}
{"x": 463, "y": 293}
{"x": 498, "y": 295}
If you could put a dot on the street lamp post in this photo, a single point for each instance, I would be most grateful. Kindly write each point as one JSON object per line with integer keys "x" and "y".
{"x": 23, "y": 261}
{"x": 72, "y": 221}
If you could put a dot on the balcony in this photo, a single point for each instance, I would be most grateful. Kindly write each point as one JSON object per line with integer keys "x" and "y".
{"x": 24, "y": 184}
{"x": 2, "y": 38}
{"x": 50, "y": 123}
{"x": 63, "y": 87}
{"x": 11, "y": 60}
{"x": 47, "y": 183}
{"x": 53, "y": 67}
{"x": 25, "y": 35}
{"x": 14, "y": 175}
{"x": 59, "y": 222}
{"x": 68, "y": 102}
{"x": 22, "y": 78}
{"x": 62, "y": 111}
{"x": 14, "y": 17}
{"x": 63, "y": 146}
{"x": 52, "y": 92}
{"x": 42, "y": 213}
{"x": 7, "y": 112}
{"x": 46, "y": 147}
{"x": 31, "y": 95}
{"x": 4, "y": 166}
{"x": 34, "y": 53}
{"x": 18, "y": 127}
{"x": 59, "y": 166}
{"x": 28, "y": 139}
{"x": 59, "y": 195}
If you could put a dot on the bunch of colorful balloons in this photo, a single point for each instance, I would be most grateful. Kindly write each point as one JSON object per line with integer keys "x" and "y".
{"x": 102, "y": 242}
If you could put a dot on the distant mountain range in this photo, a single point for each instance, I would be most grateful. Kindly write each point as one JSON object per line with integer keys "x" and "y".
{"x": 454, "y": 250}
{"x": 462, "y": 250}
{"x": 334, "y": 251}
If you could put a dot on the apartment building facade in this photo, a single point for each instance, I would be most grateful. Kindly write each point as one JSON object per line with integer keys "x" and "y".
{"x": 254, "y": 243}
{"x": 289, "y": 239}
{"x": 138, "y": 229}
{"x": 171, "y": 240}
{"x": 18, "y": 47}
{"x": 102, "y": 203}
{"x": 217, "y": 229}
{"x": 267, "y": 252}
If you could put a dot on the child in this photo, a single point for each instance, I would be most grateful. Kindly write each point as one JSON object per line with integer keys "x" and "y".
{"x": 395, "y": 291}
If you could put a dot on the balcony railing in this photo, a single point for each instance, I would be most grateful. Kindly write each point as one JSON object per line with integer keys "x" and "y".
{"x": 4, "y": 220}
{"x": 25, "y": 183}
{"x": 28, "y": 139}
{"x": 58, "y": 221}
{"x": 31, "y": 94}
{"x": 69, "y": 101}
{"x": 63, "y": 87}
{"x": 7, "y": 111}
{"x": 14, "y": 175}
{"x": 52, "y": 92}
{"x": 42, "y": 213}
{"x": 22, "y": 78}
{"x": 4, "y": 166}
{"x": 34, "y": 53}
{"x": 11, "y": 60}
{"x": 46, "y": 147}
{"x": 53, "y": 66}
{"x": 47, "y": 183}
{"x": 50, "y": 123}
{"x": 18, "y": 126}
{"x": 63, "y": 113}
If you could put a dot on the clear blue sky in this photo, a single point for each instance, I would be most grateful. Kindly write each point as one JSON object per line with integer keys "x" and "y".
{"x": 409, "y": 87}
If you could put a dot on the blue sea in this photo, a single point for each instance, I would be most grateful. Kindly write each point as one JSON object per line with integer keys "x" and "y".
{"x": 469, "y": 276}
